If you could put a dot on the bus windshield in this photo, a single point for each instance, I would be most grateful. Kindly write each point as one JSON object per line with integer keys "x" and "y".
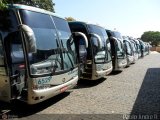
{"x": 120, "y": 49}
{"x": 48, "y": 58}
{"x": 134, "y": 47}
{"x": 116, "y": 34}
{"x": 67, "y": 43}
{"x": 100, "y": 54}
{"x": 128, "y": 47}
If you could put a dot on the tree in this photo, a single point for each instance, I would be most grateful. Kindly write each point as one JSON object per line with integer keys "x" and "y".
{"x": 151, "y": 36}
{"x": 70, "y": 19}
{"x": 44, "y": 4}
{"x": 2, "y": 4}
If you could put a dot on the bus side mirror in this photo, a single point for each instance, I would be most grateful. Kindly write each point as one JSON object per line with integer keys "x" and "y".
{"x": 83, "y": 35}
{"x": 30, "y": 38}
{"x": 112, "y": 38}
{"x": 99, "y": 40}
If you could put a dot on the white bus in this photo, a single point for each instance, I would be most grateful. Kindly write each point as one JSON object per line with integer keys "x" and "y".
{"x": 95, "y": 60}
{"x": 119, "y": 59}
{"x": 129, "y": 51}
{"x": 135, "y": 50}
{"x": 38, "y": 59}
{"x": 137, "y": 47}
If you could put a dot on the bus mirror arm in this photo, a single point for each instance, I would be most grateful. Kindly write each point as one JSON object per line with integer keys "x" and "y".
{"x": 99, "y": 40}
{"x": 113, "y": 38}
{"x": 30, "y": 38}
{"x": 83, "y": 35}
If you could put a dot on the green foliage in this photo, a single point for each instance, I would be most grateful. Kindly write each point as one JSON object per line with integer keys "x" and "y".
{"x": 151, "y": 36}
{"x": 70, "y": 19}
{"x": 3, "y": 4}
{"x": 44, "y": 4}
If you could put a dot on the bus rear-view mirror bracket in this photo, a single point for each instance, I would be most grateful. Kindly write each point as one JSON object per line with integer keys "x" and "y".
{"x": 30, "y": 38}
{"x": 99, "y": 40}
{"x": 82, "y": 35}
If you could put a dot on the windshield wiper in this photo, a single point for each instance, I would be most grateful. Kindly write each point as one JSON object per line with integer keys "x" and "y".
{"x": 65, "y": 51}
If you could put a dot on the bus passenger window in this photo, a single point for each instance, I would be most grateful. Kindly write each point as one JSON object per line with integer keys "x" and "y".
{"x": 13, "y": 46}
{"x": 82, "y": 50}
{"x": 8, "y": 21}
{"x": 1, "y": 52}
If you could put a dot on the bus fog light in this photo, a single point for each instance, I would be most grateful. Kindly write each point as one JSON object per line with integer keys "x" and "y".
{"x": 63, "y": 80}
{"x": 41, "y": 97}
{"x": 35, "y": 87}
{"x": 96, "y": 75}
{"x": 35, "y": 98}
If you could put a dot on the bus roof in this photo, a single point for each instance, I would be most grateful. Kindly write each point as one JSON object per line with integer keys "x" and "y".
{"x": 30, "y": 8}
{"x": 88, "y": 23}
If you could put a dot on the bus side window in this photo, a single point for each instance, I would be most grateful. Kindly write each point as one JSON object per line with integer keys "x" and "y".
{"x": 13, "y": 46}
{"x": 14, "y": 51}
{"x": 8, "y": 21}
{"x": 2, "y": 63}
{"x": 1, "y": 52}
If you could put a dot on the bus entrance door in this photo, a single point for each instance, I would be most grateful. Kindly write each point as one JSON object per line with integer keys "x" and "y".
{"x": 82, "y": 54}
{"x": 5, "y": 88}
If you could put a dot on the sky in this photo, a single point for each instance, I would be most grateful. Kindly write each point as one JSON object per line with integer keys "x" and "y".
{"x": 130, "y": 17}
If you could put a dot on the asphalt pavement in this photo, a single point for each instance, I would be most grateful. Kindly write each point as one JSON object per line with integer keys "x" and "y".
{"x": 133, "y": 93}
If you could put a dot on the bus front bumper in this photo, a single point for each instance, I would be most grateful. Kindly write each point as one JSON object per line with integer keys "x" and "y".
{"x": 102, "y": 73}
{"x": 37, "y": 96}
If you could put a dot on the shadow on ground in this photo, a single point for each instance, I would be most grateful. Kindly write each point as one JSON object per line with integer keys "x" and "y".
{"x": 148, "y": 99}
{"x": 21, "y": 109}
{"x": 115, "y": 72}
{"x": 84, "y": 83}
{"x": 89, "y": 83}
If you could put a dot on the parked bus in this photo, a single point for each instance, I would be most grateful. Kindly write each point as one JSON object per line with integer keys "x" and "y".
{"x": 38, "y": 59}
{"x": 142, "y": 48}
{"x": 135, "y": 50}
{"x": 129, "y": 51}
{"x": 96, "y": 62}
{"x": 119, "y": 59}
{"x": 147, "y": 48}
{"x": 137, "y": 47}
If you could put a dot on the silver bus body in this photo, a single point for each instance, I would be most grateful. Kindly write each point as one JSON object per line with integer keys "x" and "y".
{"x": 97, "y": 58}
{"x": 129, "y": 51}
{"x": 51, "y": 69}
{"x": 135, "y": 50}
{"x": 137, "y": 47}
{"x": 119, "y": 59}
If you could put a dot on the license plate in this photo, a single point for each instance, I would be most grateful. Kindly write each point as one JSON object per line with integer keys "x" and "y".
{"x": 64, "y": 89}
